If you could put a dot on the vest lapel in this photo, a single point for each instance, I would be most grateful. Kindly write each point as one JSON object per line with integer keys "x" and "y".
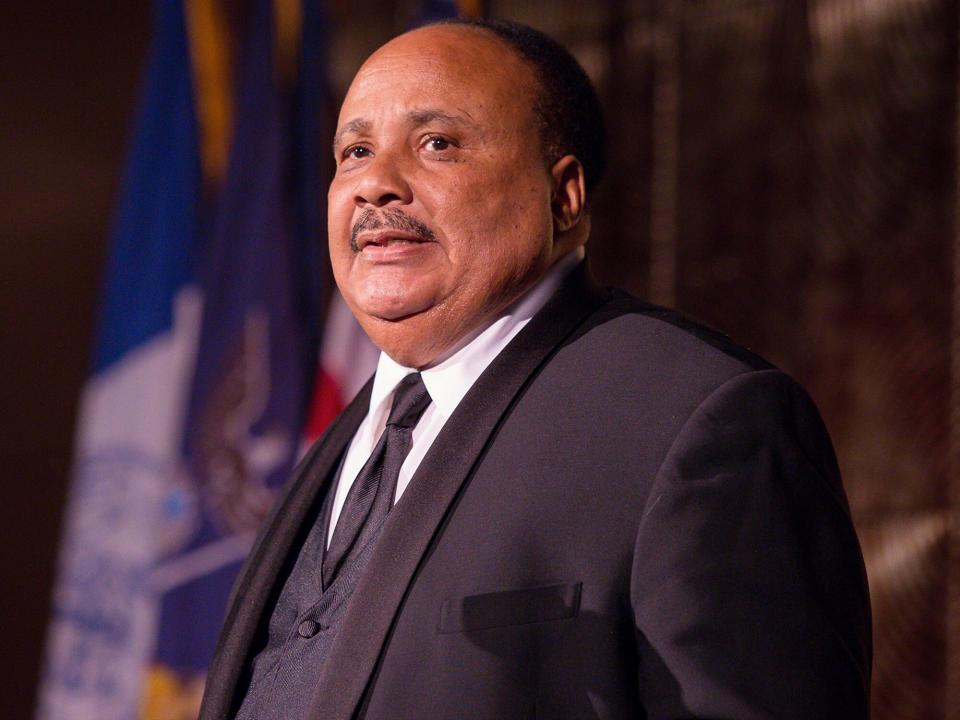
{"x": 412, "y": 524}
{"x": 258, "y": 576}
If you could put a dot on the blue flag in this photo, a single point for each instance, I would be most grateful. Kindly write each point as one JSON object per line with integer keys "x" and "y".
{"x": 250, "y": 384}
{"x": 193, "y": 413}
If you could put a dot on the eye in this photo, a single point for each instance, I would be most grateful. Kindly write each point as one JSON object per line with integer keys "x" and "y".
{"x": 356, "y": 152}
{"x": 438, "y": 144}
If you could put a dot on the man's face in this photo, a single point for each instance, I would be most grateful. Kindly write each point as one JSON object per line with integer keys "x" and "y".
{"x": 440, "y": 210}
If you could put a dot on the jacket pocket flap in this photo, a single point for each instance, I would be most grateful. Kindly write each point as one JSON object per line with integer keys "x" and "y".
{"x": 510, "y": 607}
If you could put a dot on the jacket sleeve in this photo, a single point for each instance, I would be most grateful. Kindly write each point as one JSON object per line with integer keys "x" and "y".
{"x": 748, "y": 587}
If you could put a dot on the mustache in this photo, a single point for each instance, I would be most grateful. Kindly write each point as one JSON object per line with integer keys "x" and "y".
{"x": 392, "y": 219}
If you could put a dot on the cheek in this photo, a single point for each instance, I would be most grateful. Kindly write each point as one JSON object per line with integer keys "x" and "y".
{"x": 340, "y": 208}
{"x": 497, "y": 209}
{"x": 520, "y": 223}
{"x": 505, "y": 251}
{"x": 333, "y": 231}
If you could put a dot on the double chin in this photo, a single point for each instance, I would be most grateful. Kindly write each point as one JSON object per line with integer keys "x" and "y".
{"x": 413, "y": 340}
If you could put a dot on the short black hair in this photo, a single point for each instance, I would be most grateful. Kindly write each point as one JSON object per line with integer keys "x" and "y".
{"x": 570, "y": 115}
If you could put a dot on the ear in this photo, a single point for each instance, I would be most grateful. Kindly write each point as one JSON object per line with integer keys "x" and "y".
{"x": 569, "y": 193}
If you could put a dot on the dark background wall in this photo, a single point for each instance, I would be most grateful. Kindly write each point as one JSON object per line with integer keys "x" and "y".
{"x": 68, "y": 80}
{"x": 784, "y": 170}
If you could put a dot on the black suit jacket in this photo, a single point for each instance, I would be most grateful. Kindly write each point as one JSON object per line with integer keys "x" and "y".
{"x": 626, "y": 516}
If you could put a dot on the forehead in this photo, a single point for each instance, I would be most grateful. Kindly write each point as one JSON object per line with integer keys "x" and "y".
{"x": 464, "y": 69}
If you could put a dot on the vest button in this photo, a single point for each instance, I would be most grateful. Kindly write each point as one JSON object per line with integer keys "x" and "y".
{"x": 308, "y": 628}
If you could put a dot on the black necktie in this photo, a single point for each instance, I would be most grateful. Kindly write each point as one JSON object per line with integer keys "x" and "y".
{"x": 371, "y": 495}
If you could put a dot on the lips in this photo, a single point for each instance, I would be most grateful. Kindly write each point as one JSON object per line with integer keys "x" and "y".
{"x": 387, "y": 228}
{"x": 387, "y": 239}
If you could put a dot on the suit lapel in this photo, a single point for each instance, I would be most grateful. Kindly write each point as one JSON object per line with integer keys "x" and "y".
{"x": 412, "y": 524}
{"x": 259, "y": 574}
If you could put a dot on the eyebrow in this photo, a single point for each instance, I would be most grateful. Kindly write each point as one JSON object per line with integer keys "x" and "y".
{"x": 422, "y": 117}
{"x": 357, "y": 125}
{"x": 415, "y": 117}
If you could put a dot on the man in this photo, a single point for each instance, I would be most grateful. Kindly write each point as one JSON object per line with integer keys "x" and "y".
{"x": 551, "y": 501}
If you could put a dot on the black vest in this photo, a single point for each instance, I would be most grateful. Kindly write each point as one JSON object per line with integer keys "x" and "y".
{"x": 306, "y": 616}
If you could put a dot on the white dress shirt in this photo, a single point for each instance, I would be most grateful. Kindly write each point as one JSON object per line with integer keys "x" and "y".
{"x": 447, "y": 382}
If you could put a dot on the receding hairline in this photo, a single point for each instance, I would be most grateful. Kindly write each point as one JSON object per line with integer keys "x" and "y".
{"x": 456, "y": 27}
{"x": 449, "y": 27}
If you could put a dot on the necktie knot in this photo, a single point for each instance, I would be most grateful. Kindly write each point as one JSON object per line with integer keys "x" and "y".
{"x": 410, "y": 400}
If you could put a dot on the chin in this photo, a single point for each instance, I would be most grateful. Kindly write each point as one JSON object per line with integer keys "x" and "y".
{"x": 414, "y": 341}
{"x": 411, "y": 356}
{"x": 391, "y": 307}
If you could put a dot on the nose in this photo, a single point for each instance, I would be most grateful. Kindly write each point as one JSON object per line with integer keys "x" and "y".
{"x": 383, "y": 183}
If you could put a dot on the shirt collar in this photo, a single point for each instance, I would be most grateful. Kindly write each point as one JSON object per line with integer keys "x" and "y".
{"x": 448, "y": 381}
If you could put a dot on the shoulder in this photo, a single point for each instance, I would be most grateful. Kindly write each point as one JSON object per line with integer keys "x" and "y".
{"x": 721, "y": 401}
{"x": 631, "y": 350}
{"x": 626, "y": 322}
